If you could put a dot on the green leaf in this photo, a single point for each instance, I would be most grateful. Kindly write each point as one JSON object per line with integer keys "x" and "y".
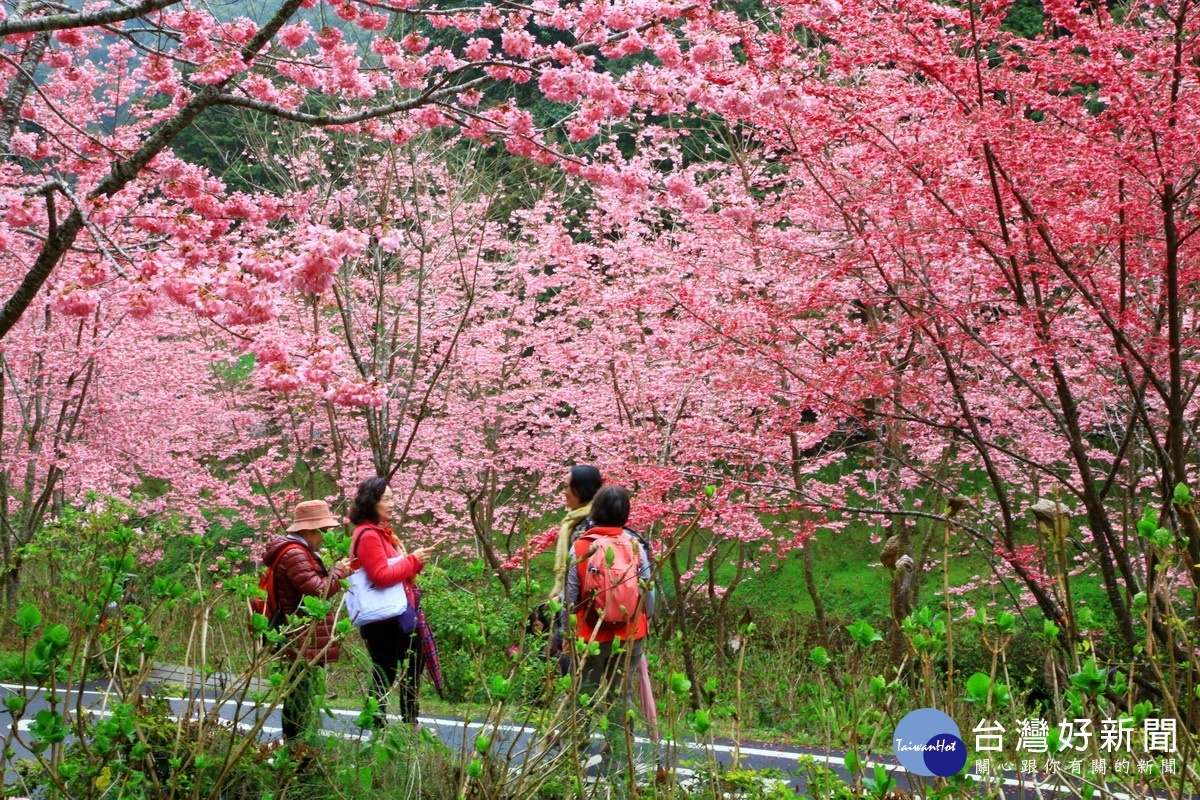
{"x": 977, "y": 687}
{"x": 57, "y": 635}
{"x": 316, "y": 607}
{"x": 864, "y": 634}
{"x": 609, "y": 557}
{"x": 475, "y": 769}
{"x": 14, "y": 703}
{"x": 28, "y": 618}
{"x": 820, "y": 657}
{"x": 1089, "y": 679}
{"x": 1182, "y": 495}
{"x": 881, "y": 784}
{"x": 482, "y": 744}
{"x": 853, "y": 764}
{"x": 680, "y": 685}
{"x": 1148, "y": 523}
{"x": 47, "y": 727}
{"x": 710, "y": 490}
{"x": 366, "y": 718}
{"x": 500, "y": 687}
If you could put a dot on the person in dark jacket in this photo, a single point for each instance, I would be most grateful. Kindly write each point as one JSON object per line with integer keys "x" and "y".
{"x": 395, "y": 644}
{"x": 299, "y": 571}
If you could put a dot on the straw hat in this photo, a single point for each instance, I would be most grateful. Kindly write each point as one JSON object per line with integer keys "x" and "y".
{"x": 312, "y": 515}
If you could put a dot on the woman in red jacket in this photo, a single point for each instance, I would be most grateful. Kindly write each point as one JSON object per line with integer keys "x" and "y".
{"x": 392, "y": 643}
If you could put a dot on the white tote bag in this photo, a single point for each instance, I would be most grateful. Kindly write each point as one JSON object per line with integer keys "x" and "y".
{"x": 366, "y": 603}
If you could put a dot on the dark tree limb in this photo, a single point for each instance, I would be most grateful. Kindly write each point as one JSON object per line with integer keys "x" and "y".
{"x": 18, "y": 88}
{"x": 123, "y": 172}
{"x": 88, "y": 19}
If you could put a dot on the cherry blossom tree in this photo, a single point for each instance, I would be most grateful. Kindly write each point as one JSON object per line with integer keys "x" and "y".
{"x": 94, "y": 97}
{"x": 401, "y": 367}
{"x": 107, "y": 229}
{"x": 832, "y": 260}
{"x": 86, "y": 406}
{"x": 969, "y": 249}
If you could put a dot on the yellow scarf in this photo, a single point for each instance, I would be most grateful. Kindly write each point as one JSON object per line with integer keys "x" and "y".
{"x": 563, "y": 547}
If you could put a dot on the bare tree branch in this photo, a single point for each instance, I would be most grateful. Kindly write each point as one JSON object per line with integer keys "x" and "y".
{"x": 88, "y": 19}
{"x": 18, "y": 88}
{"x": 123, "y": 172}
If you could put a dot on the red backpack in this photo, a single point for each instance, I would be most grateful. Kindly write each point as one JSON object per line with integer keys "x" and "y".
{"x": 268, "y": 606}
{"x": 609, "y": 586}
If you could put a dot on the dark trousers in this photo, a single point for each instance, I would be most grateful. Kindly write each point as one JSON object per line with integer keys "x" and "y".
{"x": 300, "y": 706}
{"x": 394, "y": 652}
{"x": 609, "y": 669}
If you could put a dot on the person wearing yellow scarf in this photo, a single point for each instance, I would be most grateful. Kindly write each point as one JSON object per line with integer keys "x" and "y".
{"x": 583, "y": 481}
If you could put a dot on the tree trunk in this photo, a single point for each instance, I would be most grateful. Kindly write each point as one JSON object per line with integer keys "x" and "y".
{"x": 718, "y": 614}
{"x": 810, "y": 583}
{"x": 12, "y": 593}
{"x": 18, "y": 88}
{"x": 685, "y": 640}
{"x": 481, "y": 528}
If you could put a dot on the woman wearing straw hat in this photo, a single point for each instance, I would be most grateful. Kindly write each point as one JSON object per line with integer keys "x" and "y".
{"x": 299, "y": 572}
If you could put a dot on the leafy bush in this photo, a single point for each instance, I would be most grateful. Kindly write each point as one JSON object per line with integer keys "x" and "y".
{"x": 471, "y": 618}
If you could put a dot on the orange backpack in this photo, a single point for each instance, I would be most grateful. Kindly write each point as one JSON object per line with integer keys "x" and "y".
{"x": 609, "y": 585}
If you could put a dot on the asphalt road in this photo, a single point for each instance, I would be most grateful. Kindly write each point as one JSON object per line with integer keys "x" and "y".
{"x": 453, "y": 732}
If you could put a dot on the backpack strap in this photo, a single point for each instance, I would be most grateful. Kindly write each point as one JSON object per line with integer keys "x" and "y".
{"x": 271, "y": 602}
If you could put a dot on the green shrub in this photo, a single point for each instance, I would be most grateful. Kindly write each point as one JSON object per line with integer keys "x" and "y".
{"x": 474, "y": 624}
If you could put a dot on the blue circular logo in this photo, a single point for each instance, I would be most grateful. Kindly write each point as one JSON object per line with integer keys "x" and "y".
{"x": 928, "y": 742}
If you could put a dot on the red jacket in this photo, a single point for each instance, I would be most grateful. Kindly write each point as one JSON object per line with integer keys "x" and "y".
{"x": 374, "y": 544}
{"x": 301, "y": 572}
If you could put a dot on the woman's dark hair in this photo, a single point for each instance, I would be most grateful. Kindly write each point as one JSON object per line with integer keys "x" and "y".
{"x": 585, "y": 480}
{"x": 369, "y": 493}
{"x": 610, "y": 507}
{"x": 539, "y": 615}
